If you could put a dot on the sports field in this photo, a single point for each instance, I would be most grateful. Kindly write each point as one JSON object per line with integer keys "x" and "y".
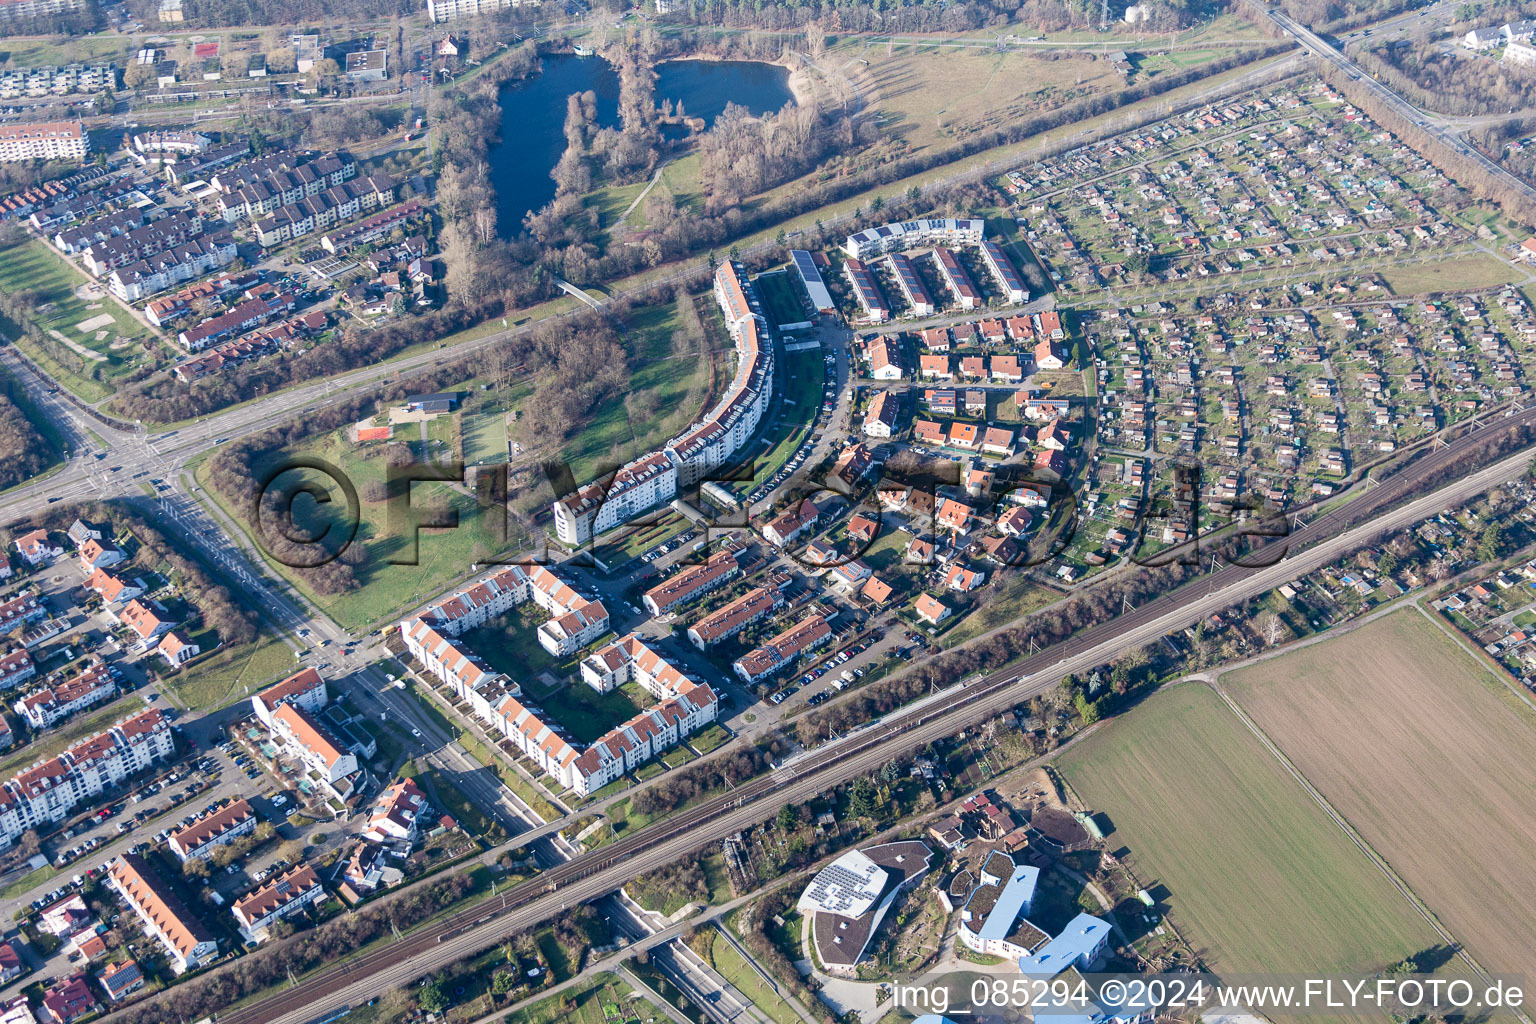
{"x": 1257, "y": 877}
{"x": 1429, "y": 756}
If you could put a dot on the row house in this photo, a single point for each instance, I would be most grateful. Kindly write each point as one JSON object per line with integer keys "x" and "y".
{"x": 21, "y": 204}
{"x": 246, "y": 196}
{"x": 372, "y": 228}
{"x": 178, "y": 264}
{"x": 284, "y": 896}
{"x": 783, "y": 650}
{"x": 212, "y": 830}
{"x": 52, "y": 80}
{"x": 250, "y": 314}
{"x": 957, "y": 278}
{"x": 724, "y": 623}
{"x": 216, "y": 290}
{"x": 252, "y": 346}
{"x": 81, "y": 237}
{"x": 25, "y": 608}
{"x": 189, "y": 169}
{"x": 16, "y": 667}
{"x": 133, "y": 245}
{"x": 179, "y": 932}
{"x": 692, "y": 583}
{"x": 102, "y": 197}
{"x": 322, "y": 210}
{"x": 176, "y": 140}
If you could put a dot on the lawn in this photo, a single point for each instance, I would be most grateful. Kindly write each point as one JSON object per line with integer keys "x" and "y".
{"x": 485, "y": 437}
{"x": 232, "y": 674}
{"x": 1252, "y": 871}
{"x": 29, "y": 53}
{"x": 781, "y": 298}
{"x": 1429, "y": 756}
{"x": 510, "y": 644}
{"x": 710, "y": 739}
{"x": 110, "y": 348}
{"x": 804, "y": 375}
{"x": 588, "y": 714}
{"x": 938, "y": 96}
{"x": 1014, "y": 596}
{"x": 1464, "y": 273}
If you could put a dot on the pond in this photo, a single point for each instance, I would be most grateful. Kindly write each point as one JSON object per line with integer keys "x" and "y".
{"x": 533, "y": 115}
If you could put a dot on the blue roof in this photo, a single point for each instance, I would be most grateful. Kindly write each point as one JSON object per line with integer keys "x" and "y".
{"x": 1018, "y": 892}
{"x": 1077, "y": 942}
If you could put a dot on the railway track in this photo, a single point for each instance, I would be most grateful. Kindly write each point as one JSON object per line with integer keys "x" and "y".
{"x": 592, "y": 875}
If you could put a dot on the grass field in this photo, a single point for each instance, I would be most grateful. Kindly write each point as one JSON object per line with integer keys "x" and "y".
{"x": 1478, "y": 270}
{"x": 1256, "y": 875}
{"x": 113, "y": 348}
{"x": 930, "y": 95}
{"x": 230, "y": 675}
{"x": 781, "y": 298}
{"x": 1429, "y": 757}
{"x": 589, "y": 714}
{"x": 485, "y": 437}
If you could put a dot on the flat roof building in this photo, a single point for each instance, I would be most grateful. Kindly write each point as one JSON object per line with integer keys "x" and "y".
{"x": 811, "y": 280}
{"x": 1003, "y": 270}
{"x": 848, "y": 899}
{"x": 957, "y": 278}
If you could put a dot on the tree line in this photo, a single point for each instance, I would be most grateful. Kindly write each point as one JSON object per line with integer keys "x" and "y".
{"x": 1470, "y": 173}
{"x": 580, "y": 361}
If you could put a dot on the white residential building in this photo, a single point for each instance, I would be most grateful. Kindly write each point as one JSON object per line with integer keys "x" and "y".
{"x": 914, "y": 234}
{"x": 448, "y": 10}
{"x": 285, "y": 895}
{"x": 705, "y": 446}
{"x": 52, "y": 140}
{"x": 50, "y": 790}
